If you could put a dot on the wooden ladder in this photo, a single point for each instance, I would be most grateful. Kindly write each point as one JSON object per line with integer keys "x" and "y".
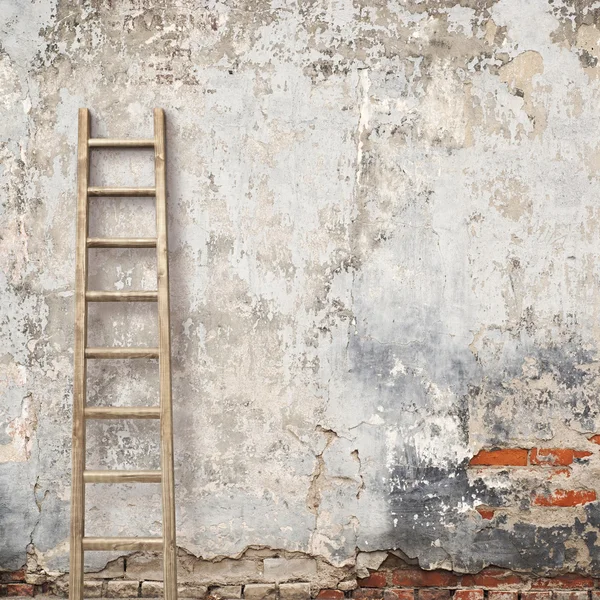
{"x": 81, "y": 412}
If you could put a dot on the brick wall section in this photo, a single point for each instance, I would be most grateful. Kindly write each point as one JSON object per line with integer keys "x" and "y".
{"x": 406, "y": 583}
{"x": 549, "y": 463}
{"x": 564, "y": 498}
{"x": 12, "y": 583}
{"x": 504, "y": 457}
{"x": 523, "y": 457}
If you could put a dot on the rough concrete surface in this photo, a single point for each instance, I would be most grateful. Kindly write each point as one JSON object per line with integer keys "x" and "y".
{"x": 383, "y": 227}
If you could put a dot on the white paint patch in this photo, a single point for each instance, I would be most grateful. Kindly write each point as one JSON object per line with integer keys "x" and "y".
{"x": 461, "y": 19}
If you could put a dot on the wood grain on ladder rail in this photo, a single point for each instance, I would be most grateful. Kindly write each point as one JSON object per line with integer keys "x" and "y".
{"x": 79, "y": 382}
{"x": 164, "y": 348}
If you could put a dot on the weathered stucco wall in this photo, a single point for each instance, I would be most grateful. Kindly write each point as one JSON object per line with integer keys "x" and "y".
{"x": 384, "y": 258}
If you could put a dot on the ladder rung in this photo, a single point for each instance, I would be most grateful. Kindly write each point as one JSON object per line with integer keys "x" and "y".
{"x": 150, "y": 296}
{"x": 121, "y": 191}
{"x": 121, "y": 352}
{"x": 115, "y": 543}
{"x": 112, "y": 143}
{"x": 122, "y": 412}
{"x": 121, "y": 476}
{"x": 121, "y": 242}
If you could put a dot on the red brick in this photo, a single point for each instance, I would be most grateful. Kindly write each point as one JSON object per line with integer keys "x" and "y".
{"x": 12, "y": 576}
{"x": 565, "y": 498}
{"x": 19, "y": 589}
{"x": 555, "y": 457}
{"x": 486, "y": 513}
{"x": 398, "y": 594}
{"x": 468, "y": 595}
{"x": 435, "y": 594}
{"x": 377, "y": 579}
{"x": 491, "y": 577}
{"x": 497, "y": 595}
{"x": 595, "y": 439}
{"x": 564, "y": 582}
{"x": 508, "y": 457}
{"x": 415, "y": 577}
{"x": 536, "y": 596}
{"x": 367, "y": 594}
{"x": 330, "y": 595}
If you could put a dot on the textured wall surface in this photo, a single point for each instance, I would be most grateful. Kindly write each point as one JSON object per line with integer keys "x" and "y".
{"x": 383, "y": 223}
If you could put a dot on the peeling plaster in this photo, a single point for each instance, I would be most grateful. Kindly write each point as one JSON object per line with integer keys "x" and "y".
{"x": 383, "y": 250}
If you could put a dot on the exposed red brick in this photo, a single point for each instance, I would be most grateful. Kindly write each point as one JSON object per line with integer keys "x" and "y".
{"x": 368, "y": 594}
{"x": 330, "y": 595}
{"x": 398, "y": 594}
{"x": 420, "y": 578}
{"x": 595, "y": 438}
{"x": 12, "y": 576}
{"x": 377, "y": 579}
{"x": 564, "y": 582}
{"x": 468, "y": 595}
{"x": 486, "y": 513}
{"x": 556, "y": 457}
{"x": 509, "y": 457}
{"x": 536, "y": 596}
{"x": 19, "y": 589}
{"x": 565, "y": 498}
{"x": 497, "y": 595}
{"x": 492, "y": 577}
{"x": 434, "y": 594}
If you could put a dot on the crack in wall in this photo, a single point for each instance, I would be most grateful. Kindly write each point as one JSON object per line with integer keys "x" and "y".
{"x": 361, "y": 487}
{"x": 318, "y": 479}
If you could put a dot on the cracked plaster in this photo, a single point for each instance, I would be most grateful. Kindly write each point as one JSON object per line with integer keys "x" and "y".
{"x": 383, "y": 246}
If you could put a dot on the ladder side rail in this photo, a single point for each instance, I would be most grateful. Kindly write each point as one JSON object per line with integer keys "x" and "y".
{"x": 166, "y": 420}
{"x": 79, "y": 382}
